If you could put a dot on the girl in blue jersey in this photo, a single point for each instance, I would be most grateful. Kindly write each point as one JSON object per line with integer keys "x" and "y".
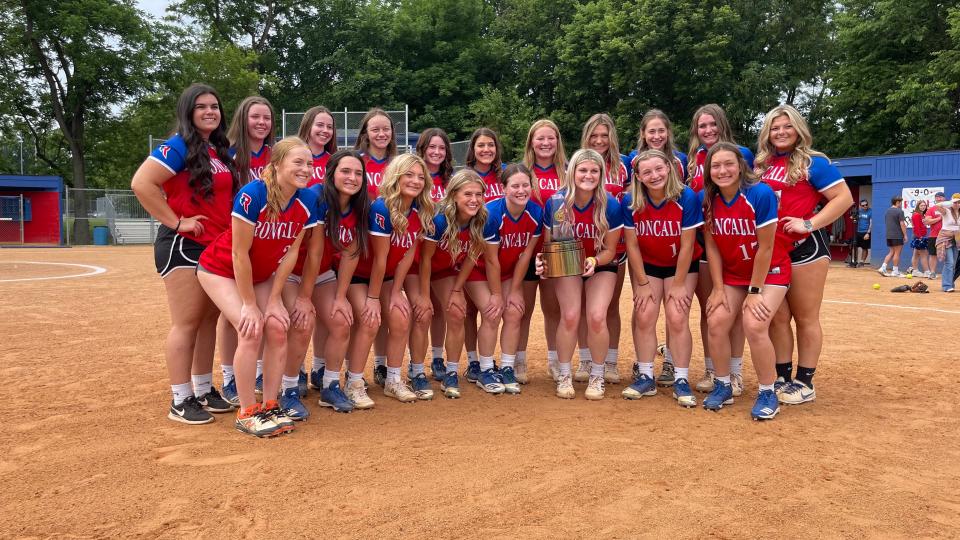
{"x": 595, "y": 218}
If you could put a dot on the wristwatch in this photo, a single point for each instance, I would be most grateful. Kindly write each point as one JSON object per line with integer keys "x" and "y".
{"x": 808, "y": 225}
{"x": 754, "y": 290}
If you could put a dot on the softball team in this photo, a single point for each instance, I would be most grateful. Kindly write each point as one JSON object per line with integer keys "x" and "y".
{"x": 367, "y": 248}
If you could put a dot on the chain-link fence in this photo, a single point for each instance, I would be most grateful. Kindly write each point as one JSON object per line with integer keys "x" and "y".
{"x": 348, "y": 126}
{"x": 118, "y": 210}
{"x": 459, "y": 151}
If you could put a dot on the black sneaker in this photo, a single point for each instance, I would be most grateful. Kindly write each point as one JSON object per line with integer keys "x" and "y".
{"x": 189, "y": 412}
{"x": 213, "y": 402}
{"x": 380, "y": 375}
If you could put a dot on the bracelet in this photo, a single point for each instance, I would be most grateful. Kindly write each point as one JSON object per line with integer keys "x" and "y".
{"x": 178, "y": 225}
{"x": 644, "y": 284}
{"x": 456, "y": 290}
{"x": 373, "y": 297}
{"x": 594, "y": 260}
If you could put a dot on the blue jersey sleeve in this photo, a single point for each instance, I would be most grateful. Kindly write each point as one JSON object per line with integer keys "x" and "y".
{"x": 822, "y": 174}
{"x": 310, "y": 200}
{"x": 692, "y": 209}
{"x": 626, "y": 213}
{"x": 537, "y": 213}
{"x": 171, "y": 153}
{"x": 250, "y": 201}
{"x": 683, "y": 162}
{"x": 764, "y": 202}
{"x": 491, "y": 229}
{"x": 614, "y": 216}
{"x": 439, "y": 227}
{"x": 747, "y": 155}
{"x": 626, "y": 163}
{"x": 380, "y": 224}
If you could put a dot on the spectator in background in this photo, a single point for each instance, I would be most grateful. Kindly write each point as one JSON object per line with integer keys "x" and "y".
{"x": 864, "y": 226}
{"x": 933, "y": 220}
{"x": 919, "y": 242}
{"x": 896, "y": 226}
{"x": 947, "y": 241}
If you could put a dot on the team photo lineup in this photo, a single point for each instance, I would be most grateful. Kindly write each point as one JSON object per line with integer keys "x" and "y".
{"x": 267, "y": 246}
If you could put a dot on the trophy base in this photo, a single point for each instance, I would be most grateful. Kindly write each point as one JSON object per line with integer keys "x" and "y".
{"x": 563, "y": 258}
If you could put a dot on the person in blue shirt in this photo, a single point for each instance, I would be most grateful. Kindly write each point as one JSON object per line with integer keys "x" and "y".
{"x": 864, "y": 226}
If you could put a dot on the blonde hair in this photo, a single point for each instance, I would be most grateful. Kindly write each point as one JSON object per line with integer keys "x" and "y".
{"x": 725, "y": 133}
{"x": 390, "y": 191}
{"x": 274, "y": 194}
{"x": 802, "y": 155}
{"x": 599, "y": 192}
{"x": 448, "y": 207}
{"x": 559, "y": 157}
{"x": 638, "y": 190}
{"x": 613, "y": 151}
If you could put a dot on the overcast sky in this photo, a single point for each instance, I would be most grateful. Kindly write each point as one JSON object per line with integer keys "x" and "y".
{"x": 154, "y": 7}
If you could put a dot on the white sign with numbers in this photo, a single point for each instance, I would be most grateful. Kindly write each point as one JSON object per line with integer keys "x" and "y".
{"x": 913, "y": 196}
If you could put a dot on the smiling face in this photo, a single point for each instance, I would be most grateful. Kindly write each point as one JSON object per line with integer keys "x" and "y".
{"x": 653, "y": 173}
{"x": 412, "y": 182}
{"x": 655, "y": 134}
{"x": 469, "y": 199}
{"x": 348, "y": 176}
{"x": 586, "y": 175}
{"x": 518, "y": 189}
{"x": 321, "y": 132}
{"x": 296, "y": 168}
{"x": 485, "y": 149}
{"x": 259, "y": 122}
{"x": 436, "y": 153}
{"x": 707, "y": 130}
{"x": 725, "y": 170}
{"x": 599, "y": 140}
{"x": 380, "y": 133}
{"x": 544, "y": 144}
{"x": 783, "y": 136}
{"x": 206, "y": 114}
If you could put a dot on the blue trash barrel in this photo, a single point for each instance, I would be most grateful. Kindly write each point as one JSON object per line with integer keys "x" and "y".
{"x": 101, "y": 236}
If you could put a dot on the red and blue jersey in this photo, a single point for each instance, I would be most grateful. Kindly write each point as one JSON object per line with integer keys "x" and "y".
{"x": 442, "y": 259}
{"x": 375, "y": 169}
{"x": 319, "y": 168}
{"x": 800, "y": 199}
{"x": 696, "y": 176}
{"x": 271, "y": 237}
{"x": 584, "y": 226}
{"x": 321, "y": 213}
{"x": 400, "y": 244}
{"x": 512, "y": 235}
{"x": 548, "y": 181}
{"x": 616, "y": 180}
{"x": 172, "y": 154}
{"x": 491, "y": 179}
{"x": 679, "y": 161}
{"x": 259, "y": 161}
{"x": 439, "y": 189}
{"x": 659, "y": 227}
{"x": 346, "y": 232}
{"x": 734, "y": 228}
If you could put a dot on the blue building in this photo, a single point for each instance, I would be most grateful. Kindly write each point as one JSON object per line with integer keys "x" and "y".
{"x": 912, "y": 176}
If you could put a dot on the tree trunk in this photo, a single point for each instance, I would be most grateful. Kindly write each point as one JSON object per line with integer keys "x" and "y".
{"x": 81, "y": 225}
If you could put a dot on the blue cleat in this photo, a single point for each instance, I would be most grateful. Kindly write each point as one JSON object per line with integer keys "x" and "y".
{"x": 302, "y": 384}
{"x": 682, "y": 393}
{"x": 721, "y": 395}
{"x": 230, "y": 393}
{"x": 333, "y": 397}
{"x": 291, "y": 405}
{"x": 421, "y": 387}
{"x": 439, "y": 370}
{"x": 258, "y": 386}
{"x": 766, "y": 406}
{"x": 451, "y": 385}
{"x": 509, "y": 379}
{"x": 489, "y": 381}
{"x": 473, "y": 371}
{"x": 644, "y": 385}
{"x": 316, "y": 379}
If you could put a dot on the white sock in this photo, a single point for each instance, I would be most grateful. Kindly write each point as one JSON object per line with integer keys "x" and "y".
{"x": 318, "y": 363}
{"x": 330, "y": 376}
{"x": 667, "y": 355}
{"x": 596, "y": 370}
{"x": 437, "y": 352}
{"x": 896, "y": 270}
{"x": 564, "y": 368}
{"x": 288, "y": 382}
{"x": 353, "y": 377}
{"x": 508, "y": 360}
{"x": 584, "y": 355}
{"x": 725, "y": 379}
{"x": 486, "y": 362}
{"x": 453, "y": 366}
{"x": 201, "y": 383}
{"x": 736, "y": 365}
{"x": 611, "y": 357}
{"x": 472, "y": 356}
{"x": 708, "y": 362}
{"x": 393, "y": 374}
{"x": 260, "y": 367}
{"x": 883, "y": 267}
{"x": 646, "y": 368}
{"x": 379, "y": 360}
{"x": 417, "y": 368}
{"x": 681, "y": 373}
{"x": 766, "y": 387}
{"x": 181, "y": 392}
{"x": 227, "y": 374}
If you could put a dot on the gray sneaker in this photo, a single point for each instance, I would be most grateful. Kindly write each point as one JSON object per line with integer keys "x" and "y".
{"x": 666, "y": 375}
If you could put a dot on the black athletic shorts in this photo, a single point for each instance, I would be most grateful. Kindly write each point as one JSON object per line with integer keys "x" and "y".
{"x": 812, "y": 248}
{"x": 172, "y": 251}
{"x": 893, "y": 242}
{"x": 612, "y": 267}
{"x": 531, "y": 274}
{"x": 664, "y": 272}
{"x": 863, "y": 243}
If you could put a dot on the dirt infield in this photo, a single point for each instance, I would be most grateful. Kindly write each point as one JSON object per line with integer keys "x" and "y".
{"x": 87, "y": 450}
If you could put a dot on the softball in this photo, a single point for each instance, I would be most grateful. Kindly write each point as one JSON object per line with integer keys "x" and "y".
{"x": 909, "y": 276}
{"x": 876, "y": 286}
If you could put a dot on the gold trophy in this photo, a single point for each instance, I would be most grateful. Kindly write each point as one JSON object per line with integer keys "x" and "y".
{"x": 563, "y": 254}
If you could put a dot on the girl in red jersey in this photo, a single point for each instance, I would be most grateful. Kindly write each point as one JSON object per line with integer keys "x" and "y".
{"x": 243, "y": 272}
{"x": 545, "y": 156}
{"x": 750, "y": 268}
{"x": 802, "y": 177}
{"x": 661, "y": 217}
{"x": 448, "y": 255}
{"x": 433, "y": 147}
{"x": 600, "y": 135}
{"x": 656, "y": 133}
{"x": 708, "y": 127}
{"x": 398, "y": 219}
{"x": 250, "y": 134}
{"x": 512, "y": 232}
{"x": 596, "y": 220}
{"x": 187, "y": 184}
{"x": 375, "y": 141}
{"x": 319, "y": 130}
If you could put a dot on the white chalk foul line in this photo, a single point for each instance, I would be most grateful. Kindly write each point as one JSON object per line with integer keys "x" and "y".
{"x": 894, "y": 306}
{"x": 94, "y": 270}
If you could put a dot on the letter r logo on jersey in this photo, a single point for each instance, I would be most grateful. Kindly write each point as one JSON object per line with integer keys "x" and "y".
{"x": 164, "y": 150}
{"x": 245, "y": 202}
{"x": 380, "y": 221}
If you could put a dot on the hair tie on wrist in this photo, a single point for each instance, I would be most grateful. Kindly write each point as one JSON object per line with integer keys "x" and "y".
{"x": 178, "y": 225}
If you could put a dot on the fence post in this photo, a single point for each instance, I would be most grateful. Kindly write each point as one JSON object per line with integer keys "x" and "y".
{"x": 66, "y": 212}
{"x": 283, "y": 122}
{"x": 149, "y": 144}
{"x": 346, "y": 127}
{"x": 22, "y": 219}
{"x": 406, "y": 127}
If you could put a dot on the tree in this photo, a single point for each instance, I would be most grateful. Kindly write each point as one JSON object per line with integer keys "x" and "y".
{"x": 76, "y": 58}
